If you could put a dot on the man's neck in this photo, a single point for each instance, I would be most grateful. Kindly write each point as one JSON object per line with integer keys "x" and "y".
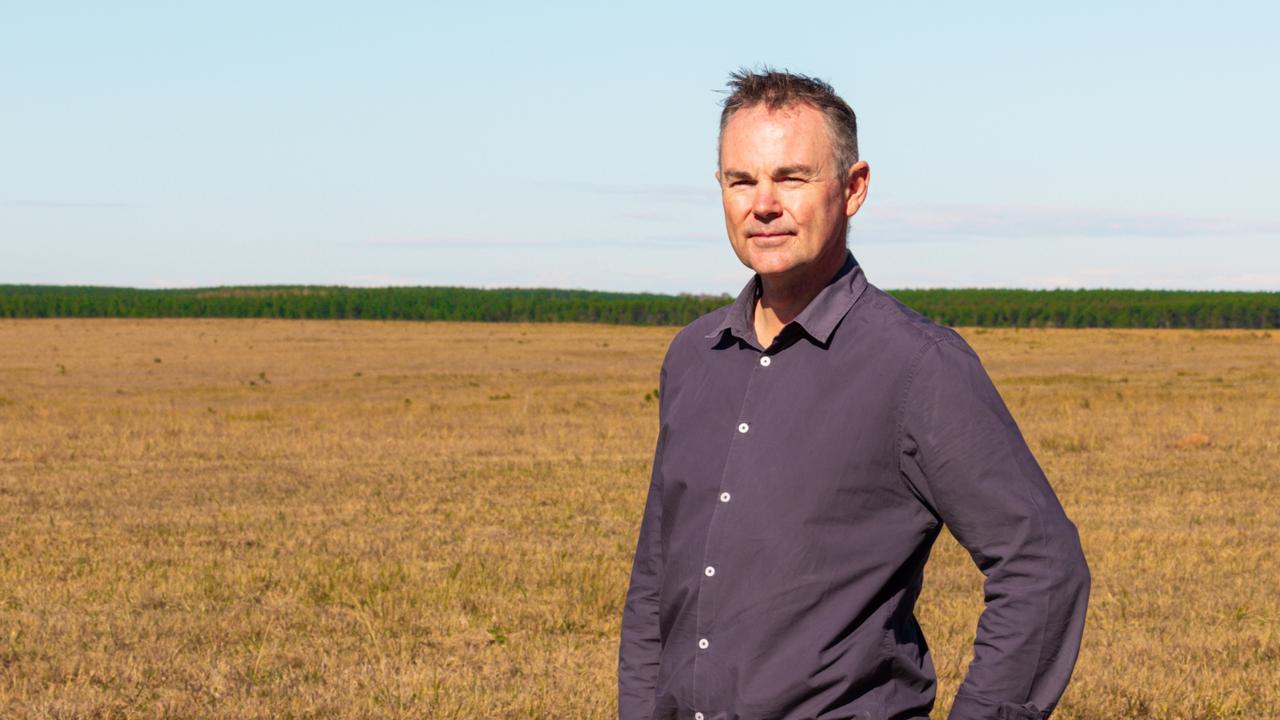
{"x": 783, "y": 298}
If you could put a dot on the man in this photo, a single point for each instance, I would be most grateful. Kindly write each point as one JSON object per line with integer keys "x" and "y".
{"x": 814, "y": 435}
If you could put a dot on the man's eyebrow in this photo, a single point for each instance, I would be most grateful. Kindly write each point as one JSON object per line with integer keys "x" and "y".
{"x": 801, "y": 170}
{"x": 784, "y": 171}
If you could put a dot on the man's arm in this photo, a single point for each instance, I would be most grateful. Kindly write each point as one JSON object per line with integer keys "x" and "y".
{"x": 964, "y": 456}
{"x": 641, "y": 642}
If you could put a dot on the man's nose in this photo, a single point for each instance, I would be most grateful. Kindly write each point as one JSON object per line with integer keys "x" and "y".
{"x": 765, "y": 203}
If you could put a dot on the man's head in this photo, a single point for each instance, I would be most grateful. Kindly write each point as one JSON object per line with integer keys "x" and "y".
{"x": 789, "y": 172}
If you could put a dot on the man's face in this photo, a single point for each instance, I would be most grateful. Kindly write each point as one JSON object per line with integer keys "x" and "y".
{"x": 784, "y": 205}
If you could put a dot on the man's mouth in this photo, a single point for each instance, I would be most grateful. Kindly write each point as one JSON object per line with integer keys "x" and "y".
{"x": 769, "y": 238}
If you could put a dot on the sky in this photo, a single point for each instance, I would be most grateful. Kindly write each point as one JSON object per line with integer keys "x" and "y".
{"x": 573, "y": 145}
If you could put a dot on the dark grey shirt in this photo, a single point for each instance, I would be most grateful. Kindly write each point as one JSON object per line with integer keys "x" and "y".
{"x": 796, "y": 492}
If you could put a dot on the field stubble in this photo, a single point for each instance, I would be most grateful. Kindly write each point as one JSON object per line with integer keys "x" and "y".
{"x": 253, "y": 519}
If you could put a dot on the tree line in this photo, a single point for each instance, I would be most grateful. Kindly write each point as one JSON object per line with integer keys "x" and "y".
{"x": 956, "y": 307}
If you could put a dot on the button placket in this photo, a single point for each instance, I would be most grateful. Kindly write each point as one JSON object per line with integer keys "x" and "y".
{"x": 737, "y": 463}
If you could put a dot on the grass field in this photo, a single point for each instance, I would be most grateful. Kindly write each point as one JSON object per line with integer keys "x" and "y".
{"x": 273, "y": 519}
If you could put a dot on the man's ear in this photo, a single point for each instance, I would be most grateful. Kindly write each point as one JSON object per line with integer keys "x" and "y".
{"x": 717, "y": 177}
{"x": 855, "y": 188}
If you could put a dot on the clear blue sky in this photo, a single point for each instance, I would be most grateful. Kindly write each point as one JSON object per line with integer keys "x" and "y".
{"x": 573, "y": 145}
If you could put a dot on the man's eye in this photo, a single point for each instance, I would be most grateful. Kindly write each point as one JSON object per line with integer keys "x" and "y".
{"x": 737, "y": 183}
{"x": 791, "y": 180}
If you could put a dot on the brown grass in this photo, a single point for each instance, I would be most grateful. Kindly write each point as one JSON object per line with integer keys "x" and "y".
{"x": 253, "y": 519}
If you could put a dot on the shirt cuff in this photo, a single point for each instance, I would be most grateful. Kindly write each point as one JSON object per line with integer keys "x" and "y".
{"x": 971, "y": 708}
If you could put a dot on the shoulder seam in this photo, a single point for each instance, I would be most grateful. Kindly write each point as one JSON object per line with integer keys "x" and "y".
{"x": 902, "y": 314}
{"x": 900, "y": 425}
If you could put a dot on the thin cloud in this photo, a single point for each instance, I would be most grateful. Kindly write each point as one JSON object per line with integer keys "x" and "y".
{"x": 173, "y": 283}
{"x": 377, "y": 280}
{"x": 924, "y": 222}
{"x": 689, "y": 238}
{"x": 428, "y": 243}
{"x": 692, "y": 194}
{"x": 66, "y": 204}
{"x": 646, "y": 215}
{"x": 1127, "y": 278}
{"x": 602, "y": 242}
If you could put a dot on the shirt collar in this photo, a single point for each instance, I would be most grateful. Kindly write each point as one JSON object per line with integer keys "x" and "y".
{"x": 819, "y": 318}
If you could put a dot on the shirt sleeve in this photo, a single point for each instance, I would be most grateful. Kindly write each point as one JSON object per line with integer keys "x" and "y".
{"x": 641, "y": 642}
{"x": 964, "y": 457}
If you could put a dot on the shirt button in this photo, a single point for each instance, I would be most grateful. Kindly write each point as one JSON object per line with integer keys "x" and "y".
{"x": 710, "y": 571}
{"x": 742, "y": 427}
{"x": 698, "y": 716}
{"x": 724, "y": 497}
{"x": 764, "y": 360}
{"x": 702, "y": 643}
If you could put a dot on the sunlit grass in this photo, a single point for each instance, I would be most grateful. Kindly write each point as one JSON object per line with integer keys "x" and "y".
{"x": 367, "y": 519}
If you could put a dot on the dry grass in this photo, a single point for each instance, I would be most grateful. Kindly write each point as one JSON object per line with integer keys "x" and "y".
{"x": 247, "y": 519}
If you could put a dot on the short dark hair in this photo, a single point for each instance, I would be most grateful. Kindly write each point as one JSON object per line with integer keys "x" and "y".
{"x": 776, "y": 90}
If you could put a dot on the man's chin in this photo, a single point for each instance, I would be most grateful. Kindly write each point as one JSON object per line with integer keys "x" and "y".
{"x": 775, "y": 264}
